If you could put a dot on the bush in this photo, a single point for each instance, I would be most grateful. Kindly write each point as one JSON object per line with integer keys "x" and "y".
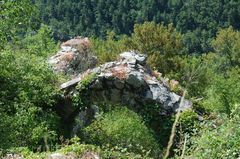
{"x": 187, "y": 120}
{"x": 15, "y": 19}
{"x": 80, "y": 98}
{"x": 75, "y": 148}
{"x": 40, "y": 43}
{"x": 123, "y": 128}
{"x": 196, "y": 73}
{"x": 27, "y": 95}
{"x": 109, "y": 49}
{"x": 221, "y": 142}
{"x": 163, "y": 45}
{"x": 224, "y": 93}
{"x": 227, "y": 44}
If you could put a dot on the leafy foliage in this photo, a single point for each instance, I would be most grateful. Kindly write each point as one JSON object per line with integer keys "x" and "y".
{"x": 227, "y": 44}
{"x": 108, "y": 50}
{"x": 27, "y": 96}
{"x": 122, "y": 128}
{"x": 78, "y": 149}
{"x": 222, "y": 142}
{"x": 223, "y": 95}
{"x": 162, "y": 44}
{"x": 40, "y": 43}
{"x": 15, "y": 19}
{"x": 80, "y": 98}
{"x": 169, "y": 32}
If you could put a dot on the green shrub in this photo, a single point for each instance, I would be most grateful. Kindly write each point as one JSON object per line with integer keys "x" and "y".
{"x": 78, "y": 149}
{"x": 27, "y": 94}
{"x": 109, "y": 49}
{"x": 15, "y": 19}
{"x": 224, "y": 93}
{"x": 227, "y": 45}
{"x": 163, "y": 45}
{"x": 187, "y": 120}
{"x": 80, "y": 98}
{"x": 41, "y": 43}
{"x": 104, "y": 152}
{"x": 123, "y": 128}
{"x": 187, "y": 126}
{"x": 223, "y": 141}
{"x": 196, "y": 73}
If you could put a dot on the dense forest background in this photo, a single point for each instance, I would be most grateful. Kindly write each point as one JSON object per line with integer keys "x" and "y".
{"x": 199, "y": 21}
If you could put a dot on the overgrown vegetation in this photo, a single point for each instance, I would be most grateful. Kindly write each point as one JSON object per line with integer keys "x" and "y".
{"x": 123, "y": 128}
{"x": 29, "y": 89}
{"x": 27, "y": 95}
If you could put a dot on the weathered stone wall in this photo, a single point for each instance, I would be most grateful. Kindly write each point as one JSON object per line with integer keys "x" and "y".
{"x": 128, "y": 81}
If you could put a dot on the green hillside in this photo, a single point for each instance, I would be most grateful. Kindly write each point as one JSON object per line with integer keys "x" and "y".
{"x": 182, "y": 49}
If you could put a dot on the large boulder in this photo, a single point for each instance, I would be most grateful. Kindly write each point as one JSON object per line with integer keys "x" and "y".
{"x": 74, "y": 57}
{"x": 129, "y": 82}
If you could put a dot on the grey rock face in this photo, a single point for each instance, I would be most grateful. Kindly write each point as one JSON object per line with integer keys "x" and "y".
{"x": 129, "y": 82}
{"x": 74, "y": 57}
{"x": 135, "y": 79}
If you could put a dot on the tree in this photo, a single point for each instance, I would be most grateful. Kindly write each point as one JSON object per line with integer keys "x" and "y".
{"x": 15, "y": 17}
{"x": 163, "y": 45}
{"x": 227, "y": 44}
{"x": 28, "y": 93}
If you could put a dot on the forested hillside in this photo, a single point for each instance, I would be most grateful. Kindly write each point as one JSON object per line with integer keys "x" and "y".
{"x": 198, "y": 20}
{"x": 146, "y": 79}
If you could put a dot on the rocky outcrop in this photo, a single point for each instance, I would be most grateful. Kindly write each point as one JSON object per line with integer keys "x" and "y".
{"x": 129, "y": 82}
{"x": 85, "y": 155}
{"x": 90, "y": 155}
{"x": 74, "y": 57}
{"x": 13, "y": 156}
{"x": 62, "y": 156}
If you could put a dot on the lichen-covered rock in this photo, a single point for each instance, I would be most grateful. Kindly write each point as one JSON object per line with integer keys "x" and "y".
{"x": 13, "y": 156}
{"x": 74, "y": 57}
{"x": 129, "y": 81}
{"x": 62, "y": 156}
{"x": 90, "y": 155}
